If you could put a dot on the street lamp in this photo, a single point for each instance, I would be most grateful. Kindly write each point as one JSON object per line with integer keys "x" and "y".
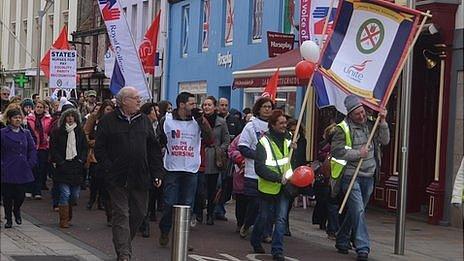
{"x": 48, "y": 4}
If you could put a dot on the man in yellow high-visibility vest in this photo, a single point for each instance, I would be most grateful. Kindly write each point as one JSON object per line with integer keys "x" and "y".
{"x": 349, "y": 145}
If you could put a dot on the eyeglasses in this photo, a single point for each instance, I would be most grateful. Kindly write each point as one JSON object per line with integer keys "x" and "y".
{"x": 134, "y": 97}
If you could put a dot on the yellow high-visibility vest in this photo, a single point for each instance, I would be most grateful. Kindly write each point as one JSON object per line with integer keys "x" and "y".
{"x": 337, "y": 165}
{"x": 281, "y": 161}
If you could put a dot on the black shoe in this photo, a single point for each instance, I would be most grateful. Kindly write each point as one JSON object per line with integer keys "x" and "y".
{"x": 199, "y": 218}
{"x": 259, "y": 250}
{"x": 8, "y": 223}
{"x": 221, "y": 218}
{"x": 89, "y": 205}
{"x": 146, "y": 233}
{"x": 209, "y": 220}
{"x": 362, "y": 256}
{"x": 278, "y": 257}
{"x": 342, "y": 251}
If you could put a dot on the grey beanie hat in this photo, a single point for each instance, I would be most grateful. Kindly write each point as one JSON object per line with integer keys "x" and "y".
{"x": 352, "y": 102}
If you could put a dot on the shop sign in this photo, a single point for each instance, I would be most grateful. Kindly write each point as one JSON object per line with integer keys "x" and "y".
{"x": 224, "y": 60}
{"x": 279, "y": 43}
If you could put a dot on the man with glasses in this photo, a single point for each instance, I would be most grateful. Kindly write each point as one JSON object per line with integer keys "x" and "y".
{"x": 129, "y": 156}
{"x": 5, "y": 99}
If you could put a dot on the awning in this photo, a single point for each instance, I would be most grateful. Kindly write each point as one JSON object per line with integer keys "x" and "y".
{"x": 258, "y": 75}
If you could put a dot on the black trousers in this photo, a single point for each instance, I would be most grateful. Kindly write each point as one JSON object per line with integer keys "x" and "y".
{"x": 13, "y": 197}
{"x": 207, "y": 186}
{"x": 240, "y": 208}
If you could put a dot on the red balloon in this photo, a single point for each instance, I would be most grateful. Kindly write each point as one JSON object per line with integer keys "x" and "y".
{"x": 303, "y": 176}
{"x": 304, "y": 70}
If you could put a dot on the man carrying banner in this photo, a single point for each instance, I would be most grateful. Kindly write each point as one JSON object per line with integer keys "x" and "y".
{"x": 349, "y": 145}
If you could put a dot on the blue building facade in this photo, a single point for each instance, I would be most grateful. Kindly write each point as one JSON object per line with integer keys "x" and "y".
{"x": 210, "y": 39}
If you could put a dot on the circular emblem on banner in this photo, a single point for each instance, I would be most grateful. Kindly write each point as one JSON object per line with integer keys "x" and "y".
{"x": 370, "y": 36}
{"x": 59, "y": 82}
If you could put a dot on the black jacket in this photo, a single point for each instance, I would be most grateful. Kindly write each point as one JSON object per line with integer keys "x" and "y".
{"x": 68, "y": 171}
{"x": 127, "y": 151}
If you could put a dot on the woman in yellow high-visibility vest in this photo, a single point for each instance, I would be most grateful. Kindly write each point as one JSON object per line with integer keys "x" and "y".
{"x": 272, "y": 165}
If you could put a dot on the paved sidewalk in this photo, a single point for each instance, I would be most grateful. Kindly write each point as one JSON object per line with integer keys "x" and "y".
{"x": 31, "y": 242}
{"x": 422, "y": 242}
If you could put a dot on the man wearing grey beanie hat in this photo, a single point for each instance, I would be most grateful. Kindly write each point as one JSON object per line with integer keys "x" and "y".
{"x": 349, "y": 145}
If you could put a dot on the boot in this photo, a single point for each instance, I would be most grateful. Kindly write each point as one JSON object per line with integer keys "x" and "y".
{"x": 8, "y": 213}
{"x": 64, "y": 216}
{"x": 108, "y": 212}
{"x": 146, "y": 228}
{"x": 17, "y": 215}
{"x": 100, "y": 204}
{"x": 70, "y": 215}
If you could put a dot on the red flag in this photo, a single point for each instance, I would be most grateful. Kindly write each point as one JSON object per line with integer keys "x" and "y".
{"x": 60, "y": 43}
{"x": 271, "y": 87}
{"x": 147, "y": 49}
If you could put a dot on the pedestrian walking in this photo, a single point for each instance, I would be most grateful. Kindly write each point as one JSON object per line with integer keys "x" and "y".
{"x": 150, "y": 109}
{"x": 130, "y": 157}
{"x": 180, "y": 132}
{"x": 18, "y": 157}
{"x": 68, "y": 152}
{"x": 40, "y": 124}
{"x": 213, "y": 162}
{"x": 98, "y": 192}
{"x": 252, "y": 132}
{"x": 349, "y": 145}
{"x": 273, "y": 167}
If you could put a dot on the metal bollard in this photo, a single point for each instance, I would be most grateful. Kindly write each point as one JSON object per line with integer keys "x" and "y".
{"x": 180, "y": 232}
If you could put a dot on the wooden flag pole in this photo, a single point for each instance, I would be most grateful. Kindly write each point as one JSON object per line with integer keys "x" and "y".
{"x": 411, "y": 47}
{"x": 306, "y": 97}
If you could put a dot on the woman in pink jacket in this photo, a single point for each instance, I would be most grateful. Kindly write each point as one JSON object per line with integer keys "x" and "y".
{"x": 238, "y": 182}
{"x": 39, "y": 123}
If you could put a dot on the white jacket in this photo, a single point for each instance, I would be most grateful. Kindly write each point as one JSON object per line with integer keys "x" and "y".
{"x": 457, "y": 196}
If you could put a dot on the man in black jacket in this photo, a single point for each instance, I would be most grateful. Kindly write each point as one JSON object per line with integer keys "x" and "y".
{"x": 130, "y": 157}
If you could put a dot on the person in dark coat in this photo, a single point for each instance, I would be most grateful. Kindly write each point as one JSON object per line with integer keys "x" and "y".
{"x": 18, "y": 158}
{"x": 68, "y": 153}
{"x": 129, "y": 155}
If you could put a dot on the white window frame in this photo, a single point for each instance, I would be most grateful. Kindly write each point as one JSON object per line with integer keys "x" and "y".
{"x": 257, "y": 21}
{"x": 185, "y": 30}
{"x": 205, "y": 24}
{"x": 229, "y": 17}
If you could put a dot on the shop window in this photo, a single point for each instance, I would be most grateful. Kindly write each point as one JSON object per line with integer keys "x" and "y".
{"x": 285, "y": 100}
{"x": 205, "y": 19}
{"x": 197, "y": 88}
{"x": 185, "y": 30}
{"x": 229, "y": 23}
{"x": 257, "y": 21}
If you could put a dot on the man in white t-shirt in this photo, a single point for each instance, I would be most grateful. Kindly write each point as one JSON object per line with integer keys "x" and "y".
{"x": 180, "y": 133}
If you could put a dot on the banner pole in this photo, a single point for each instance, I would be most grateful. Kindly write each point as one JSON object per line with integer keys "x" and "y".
{"x": 305, "y": 99}
{"x": 411, "y": 47}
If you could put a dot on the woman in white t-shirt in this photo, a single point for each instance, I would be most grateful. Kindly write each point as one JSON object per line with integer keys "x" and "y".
{"x": 249, "y": 137}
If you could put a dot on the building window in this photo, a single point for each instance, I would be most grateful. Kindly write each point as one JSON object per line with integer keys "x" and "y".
{"x": 229, "y": 23}
{"x": 134, "y": 21}
{"x": 197, "y": 88}
{"x": 185, "y": 30}
{"x": 257, "y": 21}
{"x": 25, "y": 25}
{"x": 285, "y": 98}
{"x": 65, "y": 14}
{"x": 205, "y": 25}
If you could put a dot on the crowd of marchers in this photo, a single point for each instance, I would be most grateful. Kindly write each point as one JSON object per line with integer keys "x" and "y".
{"x": 138, "y": 159}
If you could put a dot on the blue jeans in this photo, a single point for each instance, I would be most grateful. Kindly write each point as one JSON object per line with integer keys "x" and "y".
{"x": 333, "y": 223}
{"x": 68, "y": 193}
{"x": 179, "y": 188}
{"x": 269, "y": 209}
{"x": 355, "y": 220}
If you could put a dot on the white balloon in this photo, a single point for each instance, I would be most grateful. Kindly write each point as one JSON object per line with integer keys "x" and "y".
{"x": 309, "y": 50}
